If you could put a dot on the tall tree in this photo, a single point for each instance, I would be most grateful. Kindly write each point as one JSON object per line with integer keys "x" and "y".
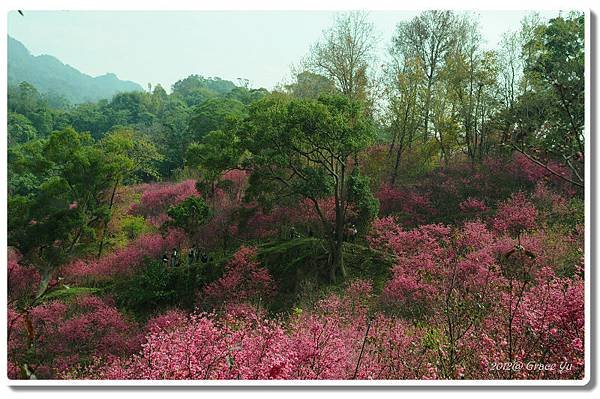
{"x": 554, "y": 88}
{"x": 217, "y": 152}
{"x": 470, "y": 75}
{"x": 344, "y": 54}
{"x": 130, "y": 157}
{"x": 405, "y": 82}
{"x": 309, "y": 85}
{"x": 76, "y": 179}
{"x": 304, "y": 149}
{"x": 214, "y": 114}
{"x": 428, "y": 37}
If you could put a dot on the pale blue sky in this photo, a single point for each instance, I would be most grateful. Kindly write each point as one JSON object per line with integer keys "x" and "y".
{"x": 163, "y": 47}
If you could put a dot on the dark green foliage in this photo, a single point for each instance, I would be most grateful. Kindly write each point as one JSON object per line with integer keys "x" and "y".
{"x": 556, "y": 64}
{"x": 196, "y": 89}
{"x": 247, "y": 96}
{"x": 189, "y": 215}
{"x": 66, "y": 205}
{"x": 156, "y": 287}
{"x": 172, "y": 122}
{"x": 317, "y": 183}
{"x": 217, "y": 152}
{"x": 148, "y": 291}
{"x": 548, "y": 117}
{"x": 26, "y": 100}
{"x": 20, "y": 129}
{"x": 215, "y": 114}
{"x": 302, "y": 149}
{"x": 130, "y": 109}
{"x": 294, "y": 265}
{"x": 362, "y": 198}
{"x": 301, "y": 265}
{"x": 62, "y": 192}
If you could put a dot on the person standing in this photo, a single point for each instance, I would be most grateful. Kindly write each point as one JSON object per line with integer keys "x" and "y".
{"x": 191, "y": 256}
{"x": 204, "y": 257}
{"x": 174, "y": 258}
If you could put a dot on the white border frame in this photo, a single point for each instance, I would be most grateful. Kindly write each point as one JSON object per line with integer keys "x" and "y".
{"x": 306, "y": 5}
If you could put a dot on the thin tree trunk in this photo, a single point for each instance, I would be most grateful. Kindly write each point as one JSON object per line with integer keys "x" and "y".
{"x": 112, "y": 200}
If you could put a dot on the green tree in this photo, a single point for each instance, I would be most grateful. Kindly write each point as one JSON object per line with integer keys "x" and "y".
{"x": 555, "y": 66}
{"x": 245, "y": 95}
{"x": 427, "y": 38}
{"x": 304, "y": 149}
{"x": 405, "y": 81}
{"x": 195, "y": 89}
{"x": 49, "y": 224}
{"x": 189, "y": 215}
{"x": 130, "y": 158}
{"x": 363, "y": 200}
{"x": 27, "y": 101}
{"x": 170, "y": 134}
{"x": 75, "y": 180}
{"x": 344, "y": 53}
{"x": 20, "y": 129}
{"x": 309, "y": 85}
{"x": 91, "y": 117}
{"x": 219, "y": 151}
{"x": 131, "y": 108}
{"x": 214, "y": 114}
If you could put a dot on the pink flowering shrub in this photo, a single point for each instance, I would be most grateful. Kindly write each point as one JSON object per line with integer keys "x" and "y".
{"x": 338, "y": 340}
{"x": 475, "y": 236}
{"x": 244, "y": 279}
{"x": 451, "y": 194}
{"x": 23, "y": 280}
{"x": 419, "y": 252}
{"x": 264, "y": 224}
{"x": 413, "y": 207}
{"x": 237, "y": 180}
{"x": 157, "y": 198}
{"x": 387, "y": 234}
{"x": 225, "y": 200}
{"x": 207, "y": 347}
{"x": 515, "y": 215}
{"x": 170, "y": 320}
{"x": 485, "y": 296}
{"x": 221, "y": 226}
{"x": 54, "y": 337}
{"x": 544, "y": 335}
{"x": 534, "y": 173}
{"x": 345, "y": 337}
{"x": 472, "y": 206}
{"x": 126, "y": 260}
{"x": 549, "y": 200}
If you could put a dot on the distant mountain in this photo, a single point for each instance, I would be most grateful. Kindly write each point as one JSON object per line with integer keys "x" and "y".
{"x": 50, "y": 75}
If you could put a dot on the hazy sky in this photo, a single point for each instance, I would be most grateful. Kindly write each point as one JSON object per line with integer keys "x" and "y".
{"x": 163, "y": 47}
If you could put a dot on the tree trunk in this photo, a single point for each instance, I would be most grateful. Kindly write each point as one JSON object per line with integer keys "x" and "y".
{"x": 337, "y": 260}
{"x": 112, "y": 201}
{"x": 427, "y": 106}
{"x": 397, "y": 164}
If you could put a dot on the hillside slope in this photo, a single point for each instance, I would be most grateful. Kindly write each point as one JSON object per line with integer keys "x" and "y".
{"x": 50, "y": 75}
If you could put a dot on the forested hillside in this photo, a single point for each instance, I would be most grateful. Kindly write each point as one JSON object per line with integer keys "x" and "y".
{"x": 58, "y": 81}
{"x": 416, "y": 218}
